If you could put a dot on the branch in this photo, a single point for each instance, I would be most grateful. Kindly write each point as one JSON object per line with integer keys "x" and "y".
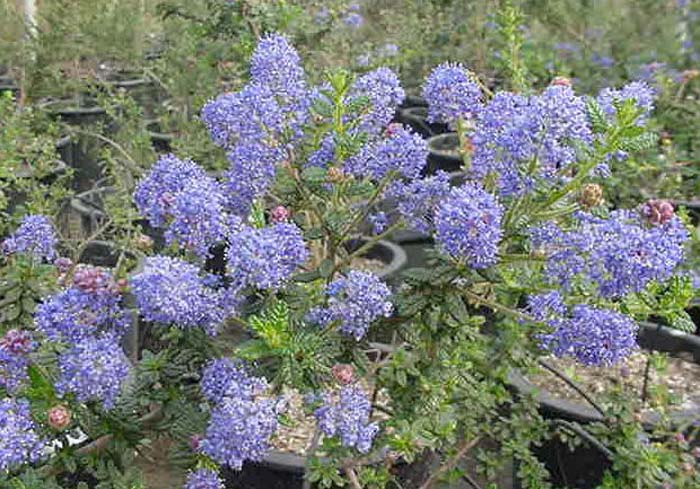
{"x": 352, "y": 477}
{"x": 312, "y": 449}
{"x": 462, "y": 450}
{"x": 573, "y": 385}
{"x": 580, "y": 431}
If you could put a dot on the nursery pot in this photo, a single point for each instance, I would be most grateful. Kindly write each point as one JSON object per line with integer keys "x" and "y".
{"x": 413, "y": 101}
{"x": 443, "y": 153}
{"x": 390, "y": 254}
{"x": 417, "y": 119}
{"x": 583, "y": 468}
{"x": 75, "y": 111}
{"x": 160, "y": 141}
{"x": 693, "y": 207}
{"x": 277, "y": 470}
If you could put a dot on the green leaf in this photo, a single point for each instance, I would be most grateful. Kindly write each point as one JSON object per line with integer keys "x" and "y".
{"x": 314, "y": 175}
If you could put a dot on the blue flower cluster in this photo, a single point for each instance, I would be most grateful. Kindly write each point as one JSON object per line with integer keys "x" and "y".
{"x": 382, "y": 88}
{"x": 617, "y": 255}
{"x": 416, "y": 201}
{"x": 402, "y": 153}
{"x": 259, "y": 124}
{"x": 203, "y": 479}
{"x": 15, "y": 347}
{"x": 452, "y": 94}
{"x": 173, "y": 291}
{"x": 522, "y": 140}
{"x": 241, "y": 425}
{"x": 640, "y": 92}
{"x": 93, "y": 369}
{"x": 180, "y": 196}
{"x": 348, "y": 418}
{"x": 92, "y": 305}
{"x": 20, "y": 443}
{"x": 468, "y": 225}
{"x": 354, "y": 302}
{"x": 265, "y": 258}
{"x": 225, "y": 377}
{"x": 592, "y": 335}
{"x": 35, "y": 236}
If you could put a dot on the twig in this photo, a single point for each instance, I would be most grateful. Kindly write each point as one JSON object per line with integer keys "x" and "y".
{"x": 469, "y": 480}
{"x": 462, "y": 450}
{"x": 312, "y": 449}
{"x": 580, "y": 431}
{"x": 496, "y": 307}
{"x": 573, "y": 385}
{"x": 352, "y": 477}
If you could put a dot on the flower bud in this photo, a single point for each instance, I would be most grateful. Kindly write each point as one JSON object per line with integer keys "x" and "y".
{"x": 467, "y": 146}
{"x": 59, "y": 417}
{"x": 143, "y": 242}
{"x": 695, "y": 452}
{"x": 680, "y": 438}
{"x": 560, "y": 81}
{"x": 195, "y": 441}
{"x": 17, "y": 341}
{"x": 687, "y": 467}
{"x": 392, "y": 129}
{"x": 63, "y": 264}
{"x": 280, "y": 214}
{"x": 591, "y": 195}
{"x": 343, "y": 373}
{"x": 91, "y": 279}
{"x": 658, "y": 211}
{"x": 688, "y": 75}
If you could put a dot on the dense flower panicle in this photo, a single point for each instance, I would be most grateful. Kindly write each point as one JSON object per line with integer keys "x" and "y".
{"x": 617, "y": 255}
{"x": 348, "y": 418}
{"x": 203, "y": 479}
{"x": 546, "y": 305}
{"x": 452, "y": 94}
{"x": 198, "y": 219}
{"x": 251, "y": 171}
{"x": 416, "y": 200}
{"x": 225, "y": 377}
{"x": 325, "y": 154}
{"x": 93, "y": 280}
{"x": 14, "y": 349}
{"x": 379, "y": 222}
{"x": 383, "y": 90}
{"x": 73, "y": 314}
{"x": 593, "y": 336}
{"x": 265, "y": 258}
{"x": 276, "y": 64}
{"x": 19, "y": 441}
{"x": 354, "y": 302}
{"x": 180, "y": 196}
{"x": 34, "y": 236}
{"x": 353, "y": 19}
{"x": 94, "y": 369}
{"x": 156, "y": 192}
{"x": 172, "y": 291}
{"x": 521, "y": 140}
{"x": 640, "y": 92}
{"x": 468, "y": 225}
{"x": 658, "y": 211}
{"x": 240, "y": 430}
{"x": 402, "y": 152}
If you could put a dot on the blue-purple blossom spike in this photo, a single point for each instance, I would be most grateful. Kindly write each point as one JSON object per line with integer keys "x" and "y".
{"x": 383, "y": 90}
{"x": 276, "y": 64}
{"x": 640, "y": 92}
{"x": 225, "y": 377}
{"x": 15, "y": 347}
{"x": 265, "y": 258}
{"x": 354, "y": 302}
{"x": 35, "y": 236}
{"x": 468, "y": 225}
{"x": 94, "y": 369}
{"x": 416, "y": 201}
{"x": 452, "y": 94}
{"x": 173, "y": 291}
{"x": 20, "y": 442}
{"x": 203, "y": 479}
{"x": 348, "y": 418}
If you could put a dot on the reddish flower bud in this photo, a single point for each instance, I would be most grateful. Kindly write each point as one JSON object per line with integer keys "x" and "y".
{"x": 591, "y": 195}
{"x": 63, "y": 264}
{"x": 335, "y": 175}
{"x": 59, "y": 417}
{"x": 392, "y": 129}
{"x": 343, "y": 373}
{"x": 17, "y": 342}
{"x": 560, "y": 81}
{"x": 280, "y": 214}
{"x": 658, "y": 211}
{"x": 143, "y": 242}
{"x": 195, "y": 441}
{"x": 467, "y": 146}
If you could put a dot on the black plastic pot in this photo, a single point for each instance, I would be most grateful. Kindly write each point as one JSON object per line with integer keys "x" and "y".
{"x": 583, "y": 467}
{"x": 391, "y": 254}
{"x": 417, "y": 119}
{"x": 413, "y": 101}
{"x": 693, "y": 207}
{"x": 77, "y": 111}
{"x": 8, "y": 85}
{"x": 443, "y": 153}
{"x": 161, "y": 142}
{"x": 277, "y": 471}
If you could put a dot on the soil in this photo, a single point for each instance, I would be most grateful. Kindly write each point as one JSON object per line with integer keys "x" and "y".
{"x": 367, "y": 264}
{"x": 681, "y": 378}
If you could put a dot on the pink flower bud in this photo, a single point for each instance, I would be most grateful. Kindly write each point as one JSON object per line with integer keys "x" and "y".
{"x": 63, "y": 264}
{"x": 59, "y": 417}
{"x": 560, "y": 81}
{"x": 392, "y": 129}
{"x": 343, "y": 373}
{"x": 279, "y": 214}
{"x": 195, "y": 440}
{"x": 17, "y": 342}
{"x": 658, "y": 211}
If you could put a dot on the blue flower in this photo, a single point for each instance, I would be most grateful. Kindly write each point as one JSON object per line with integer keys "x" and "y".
{"x": 641, "y": 93}
{"x": 353, "y": 19}
{"x": 251, "y": 172}
{"x": 265, "y": 258}
{"x": 354, "y": 302}
{"x": 173, "y": 291}
{"x": 94, "y": 369}
{"x": 348, "y": 418}
{"x": 276, "y": 64}
{"x": 383, "y": 90}
{"x": 452, "y": 94}
{"x": 416, "y": 201}
{"x": 468, "y": 225}
{"x": 20, "y": 443}
{"x": 225, "y": 377}
{"x": 35, "y": 236}
{"x": 203, "y": 479}
{"x": 15, "y": 347}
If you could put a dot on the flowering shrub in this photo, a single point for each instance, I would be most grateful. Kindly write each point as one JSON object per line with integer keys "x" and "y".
{"x": 523, "y": 266}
